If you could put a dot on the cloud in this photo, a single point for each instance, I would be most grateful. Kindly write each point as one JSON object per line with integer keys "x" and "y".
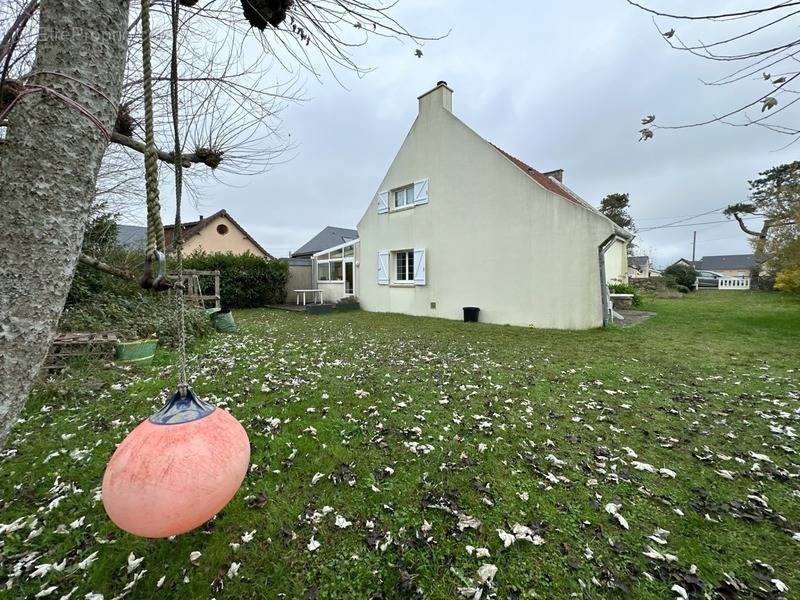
{"x": 561, "y": 85}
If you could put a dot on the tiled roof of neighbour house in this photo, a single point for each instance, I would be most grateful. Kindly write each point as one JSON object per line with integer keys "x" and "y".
{"x": 726, "y": 261}
{"x": 557, "y": 187}
{"x": 638, "y": 261}
{"x": 695, "y": 264}
{"x": 327, "y": 238}
{"x": 190, "y": 229}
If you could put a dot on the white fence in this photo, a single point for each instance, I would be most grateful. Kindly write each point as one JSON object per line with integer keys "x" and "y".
{"x": 734, "y": 283}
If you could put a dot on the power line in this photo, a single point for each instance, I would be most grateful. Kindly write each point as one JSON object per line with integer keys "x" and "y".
{"x": 671, "y": 226}
{"x": 682, "y": 220}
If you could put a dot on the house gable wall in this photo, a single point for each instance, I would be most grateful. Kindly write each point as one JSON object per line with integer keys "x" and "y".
{"x": 209, "y": 240}
{"x": 493, "y": 237}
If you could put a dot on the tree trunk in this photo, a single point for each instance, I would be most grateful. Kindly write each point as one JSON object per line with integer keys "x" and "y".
{"x": 48, "y": 167}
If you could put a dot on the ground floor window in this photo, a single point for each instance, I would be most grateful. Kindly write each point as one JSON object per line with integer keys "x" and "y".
{"x": 330, "y": 270}
{"x": 404, "y": 265}
{"x": 336, "y": 265}
{"x": 323, "y": 271}
{"x": 336, "y": 271}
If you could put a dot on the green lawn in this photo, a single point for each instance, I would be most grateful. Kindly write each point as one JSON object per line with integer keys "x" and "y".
{"x": 428, "y": 436}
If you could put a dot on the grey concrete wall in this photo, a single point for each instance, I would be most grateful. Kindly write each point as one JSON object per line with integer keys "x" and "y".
{"x": 299, "y": 277}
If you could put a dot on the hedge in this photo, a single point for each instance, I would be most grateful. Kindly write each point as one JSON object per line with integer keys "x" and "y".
{"x": 246, "y": 281}
{"x": 680, "y": 275}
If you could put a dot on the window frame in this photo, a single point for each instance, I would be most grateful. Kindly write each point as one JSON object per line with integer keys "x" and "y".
{"x": 326, "y": 264}
{"x": 408, "y": 266}
{"x": 408, "y": 195}
{"x": 327, "y": 259}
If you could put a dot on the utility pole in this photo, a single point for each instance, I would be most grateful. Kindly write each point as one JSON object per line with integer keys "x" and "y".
{"x": 694, "y": 244}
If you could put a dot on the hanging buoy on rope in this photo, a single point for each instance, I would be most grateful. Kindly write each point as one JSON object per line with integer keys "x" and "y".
{"x": 183, "y": 464}
{"x": 177, "y": 469}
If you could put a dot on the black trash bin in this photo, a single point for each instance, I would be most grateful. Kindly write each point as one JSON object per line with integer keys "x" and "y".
{"x": 471, "y": 314}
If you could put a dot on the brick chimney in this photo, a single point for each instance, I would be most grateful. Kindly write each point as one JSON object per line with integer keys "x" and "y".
{"x": 439, "y": 97}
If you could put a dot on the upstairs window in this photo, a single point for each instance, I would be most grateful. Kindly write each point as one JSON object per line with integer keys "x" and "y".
{"x": 404, "y": 196}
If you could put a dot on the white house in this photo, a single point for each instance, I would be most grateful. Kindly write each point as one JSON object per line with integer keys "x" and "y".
{"x": 458, "y": 222}
{"x": 640, "y": 267}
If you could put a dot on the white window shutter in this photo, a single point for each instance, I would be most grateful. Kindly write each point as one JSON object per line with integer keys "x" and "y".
{"x": 419, "y": 266}
{"x": 383, "y": 268}
{"x": 383, "y": 202}
{"x": 421, "y": 192}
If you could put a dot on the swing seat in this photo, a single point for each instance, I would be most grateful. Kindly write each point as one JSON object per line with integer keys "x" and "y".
{"x": 176, "y": 470}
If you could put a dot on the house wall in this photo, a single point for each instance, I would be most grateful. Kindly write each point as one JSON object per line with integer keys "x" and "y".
{"x": 299, "y": 277}
{"x": 210, "y": 240}
{"x": 493, "y": 237}
{"x": 617, "y": 262}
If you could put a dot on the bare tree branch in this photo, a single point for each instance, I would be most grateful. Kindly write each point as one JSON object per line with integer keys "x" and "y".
{"x": 105, "y": 267}
{"x": 778, "y": 95}
{"x": 187, "y": 159}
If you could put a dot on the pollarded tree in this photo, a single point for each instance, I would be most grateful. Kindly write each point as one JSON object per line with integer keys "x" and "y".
{"x": 775, "y": 197}
{"x": 58, "y": 120}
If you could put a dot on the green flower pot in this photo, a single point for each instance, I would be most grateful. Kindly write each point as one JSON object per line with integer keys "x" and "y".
{"x": 137, "y": 353}
{"x": 222, "y": 320}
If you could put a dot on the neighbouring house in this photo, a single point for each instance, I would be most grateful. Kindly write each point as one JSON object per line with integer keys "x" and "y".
{"x": 217, "y": 233}
{"x": 327, "y": 238}
{"x": 695, "y": 264}
{"x": 640, "y": 267}
{"x": 458, "y": 222}
{"x": 729, "y": 265}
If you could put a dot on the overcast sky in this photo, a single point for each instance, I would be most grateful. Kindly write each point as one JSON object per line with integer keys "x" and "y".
{"x": 559, "y": 84}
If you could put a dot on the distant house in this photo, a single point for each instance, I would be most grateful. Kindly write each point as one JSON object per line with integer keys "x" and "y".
{"x": 729, "y": 265}
{"x": 640, "y": 267}
{"x": 327, "y": 238}
{"x": 695, "y": 264}
{"x": 457, "y": 222}
{"x": 217, "y": 233}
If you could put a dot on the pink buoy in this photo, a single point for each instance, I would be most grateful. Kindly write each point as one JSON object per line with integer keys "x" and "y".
{"x": 177, "y": 469}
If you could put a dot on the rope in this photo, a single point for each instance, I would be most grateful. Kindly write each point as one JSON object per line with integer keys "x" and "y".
{"x": 178, "y": 237}
{"x": 155, "y": 229}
